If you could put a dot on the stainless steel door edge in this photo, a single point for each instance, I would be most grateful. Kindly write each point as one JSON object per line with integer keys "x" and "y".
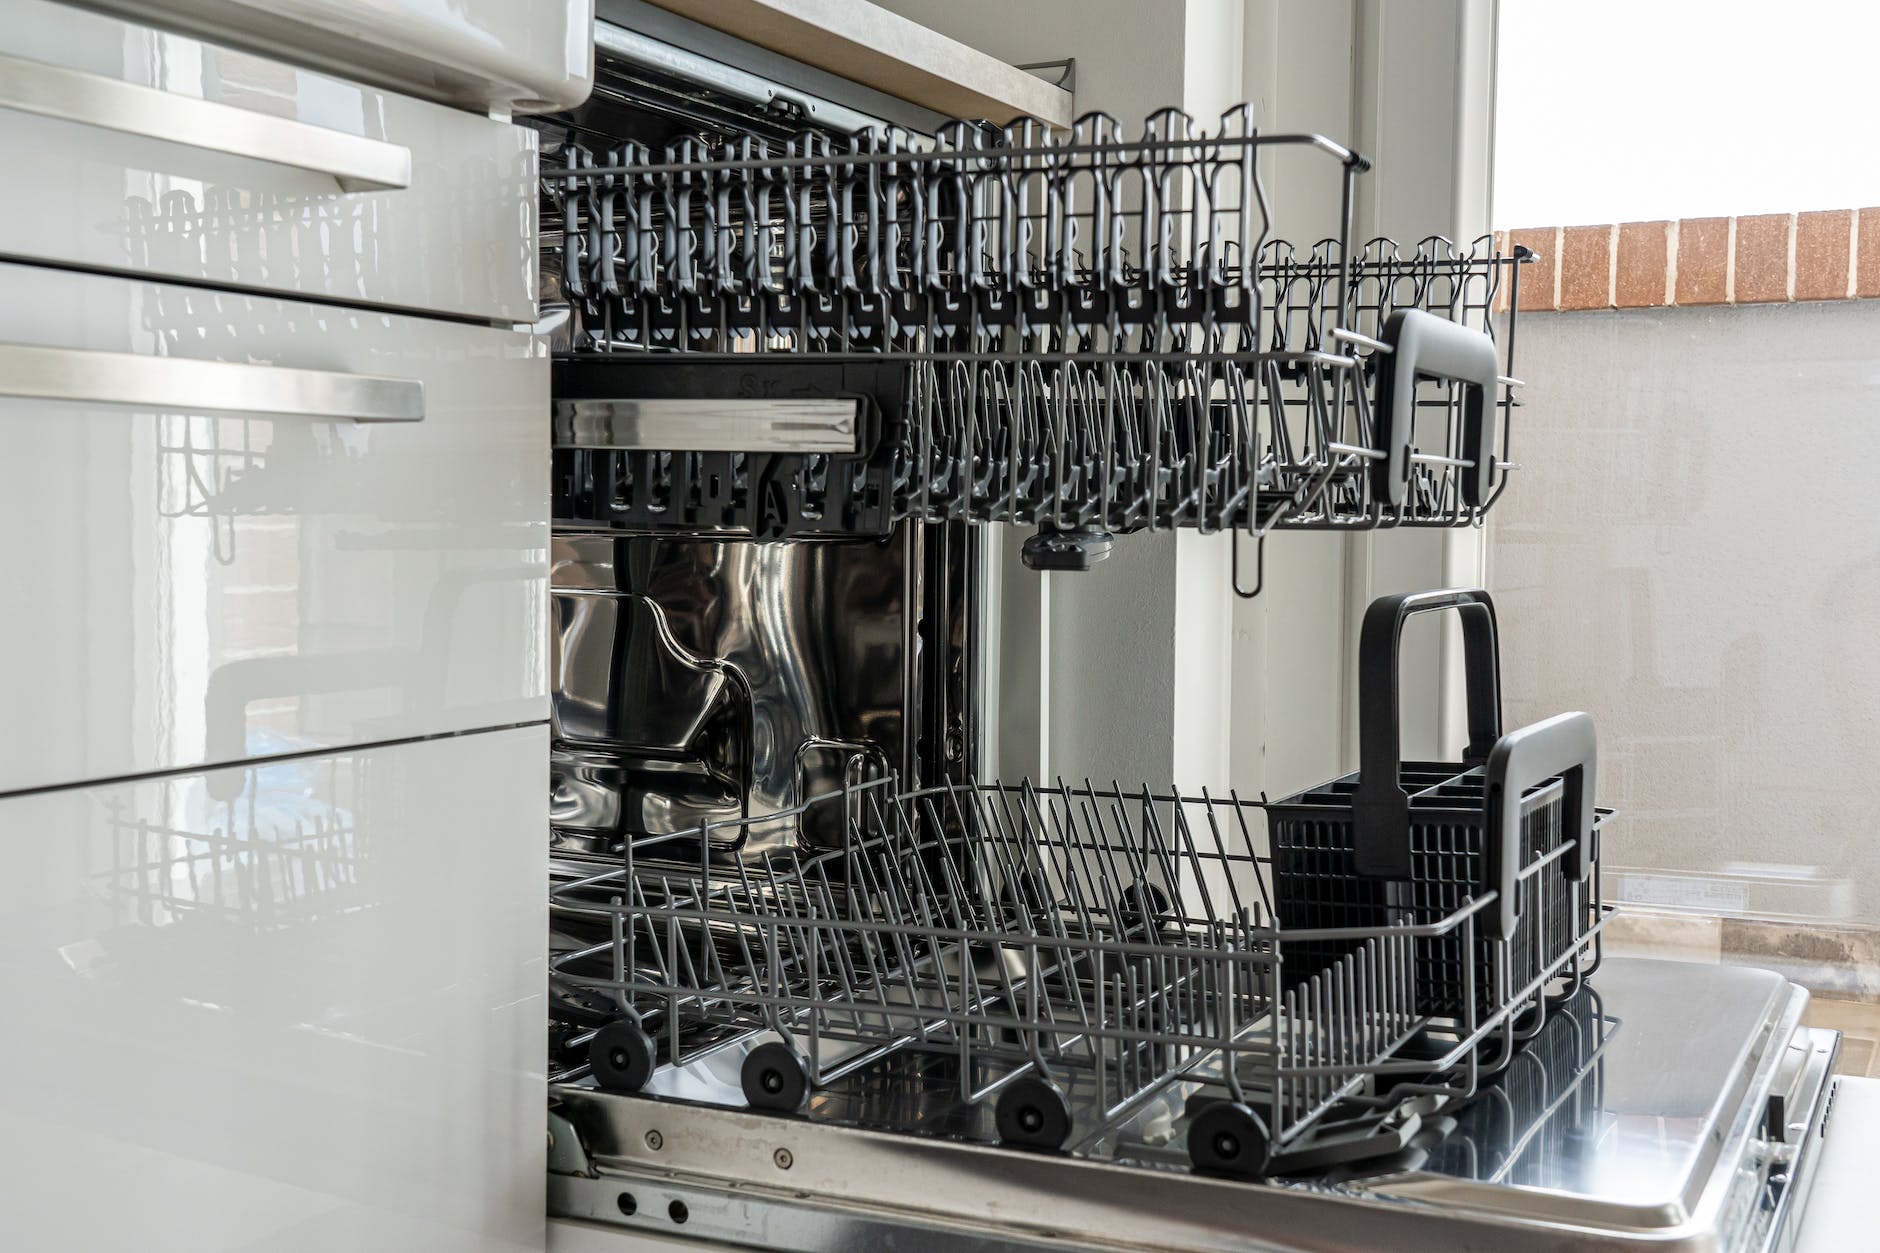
{"x": 845, "y": 1188}
{"x": 1714, "y": 1187}
{"x": 1676, "y": 1154}
{"x": 838, "y": 1179}
{"x": 1807, "y": 1104}
{"x": 693, "y": 1209}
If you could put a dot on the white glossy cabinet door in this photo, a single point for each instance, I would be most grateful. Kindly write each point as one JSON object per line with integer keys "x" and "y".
{"x": 189, "y": 580}
{"x": 289, "y": 1007}
{"x": 132, "y": 149}
{"x": 531, "y": 56}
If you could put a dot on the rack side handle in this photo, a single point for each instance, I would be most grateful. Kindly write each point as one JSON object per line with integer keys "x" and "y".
{"x": 1381, "y": 806}
{"x": 34, "y": 372}
{"x": 1424, "y": 345}
{"x": 355, "y": 162}
{"x": 1564, "y": 745}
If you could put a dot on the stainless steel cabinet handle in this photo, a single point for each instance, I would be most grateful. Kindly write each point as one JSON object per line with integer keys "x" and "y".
{"x": 174, "y": 383}
{"x": 358, "y": 163}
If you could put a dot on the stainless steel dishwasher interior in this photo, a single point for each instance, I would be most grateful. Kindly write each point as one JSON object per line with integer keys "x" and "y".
{"x": 726, "y": 705}
{"x": 713, "y": 676}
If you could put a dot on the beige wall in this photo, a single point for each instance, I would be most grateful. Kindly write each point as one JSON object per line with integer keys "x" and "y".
{"x": 1692, "y": 553}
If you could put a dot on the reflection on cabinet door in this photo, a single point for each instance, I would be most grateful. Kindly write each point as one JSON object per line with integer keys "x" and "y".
{"x": 238, "y": 527}
{"x": 131, "y": 149}
{"x": 309, "y": 1017}
{"x": 481, "y": 55}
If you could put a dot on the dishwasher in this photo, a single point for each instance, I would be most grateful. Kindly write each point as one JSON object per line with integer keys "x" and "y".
{"x": 817, "y": 981}
{"x": 506, "y": 650}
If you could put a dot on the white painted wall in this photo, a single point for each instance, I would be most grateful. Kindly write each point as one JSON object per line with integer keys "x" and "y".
{"x": 1122, "y": 672}
{"x": 1412, "y": 87}
{"x": 1423, "y": 110}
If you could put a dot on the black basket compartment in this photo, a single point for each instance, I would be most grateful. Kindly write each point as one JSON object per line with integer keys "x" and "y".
{"x": 1317, "y": 884}
{"x": 1410, "y": 843}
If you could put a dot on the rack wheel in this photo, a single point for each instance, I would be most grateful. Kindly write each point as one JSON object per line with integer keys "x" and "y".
{"x": 1228, "y": 1138}
{"x": 776, "y": 1076}
{"x": 622, "y": 1056}
{"x": 1024, "y": 895}
{"x": 1033, "y": 1113}
{"x": 1136, "y": 921}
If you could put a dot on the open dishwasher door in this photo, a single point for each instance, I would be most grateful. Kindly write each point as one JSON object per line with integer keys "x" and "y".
{"x": 1668, "y": 1106}
{"x": 734, "y": 1062}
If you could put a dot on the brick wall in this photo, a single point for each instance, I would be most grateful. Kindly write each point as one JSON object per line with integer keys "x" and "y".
{"x": 1830, "y": 254}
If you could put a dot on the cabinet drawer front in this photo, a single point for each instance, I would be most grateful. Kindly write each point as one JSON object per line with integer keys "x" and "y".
{"x": 240, "y": 527}
{"x": 531, "y": 57}
{"x": 131, "y": 149}
{"x": 280, "y": 1006}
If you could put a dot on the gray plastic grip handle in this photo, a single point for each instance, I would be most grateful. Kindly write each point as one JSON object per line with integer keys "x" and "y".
{"x": 1381, "y": 806}
{"x": 1424, "y": 345}
{"x": 1565, "y": 745}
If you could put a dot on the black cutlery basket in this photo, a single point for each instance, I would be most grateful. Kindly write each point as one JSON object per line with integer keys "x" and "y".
{"x": 1411, "y": 842}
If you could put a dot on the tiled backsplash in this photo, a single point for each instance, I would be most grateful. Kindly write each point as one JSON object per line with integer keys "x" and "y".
{"x": 1768, "y": 258}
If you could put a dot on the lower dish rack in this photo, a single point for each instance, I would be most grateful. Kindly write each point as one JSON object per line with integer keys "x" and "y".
{"x": 1063, "y": 955}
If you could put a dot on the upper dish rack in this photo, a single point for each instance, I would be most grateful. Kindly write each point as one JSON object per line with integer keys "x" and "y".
{"x": 1077, "y": 331}
{"x": 885, "y": 241}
